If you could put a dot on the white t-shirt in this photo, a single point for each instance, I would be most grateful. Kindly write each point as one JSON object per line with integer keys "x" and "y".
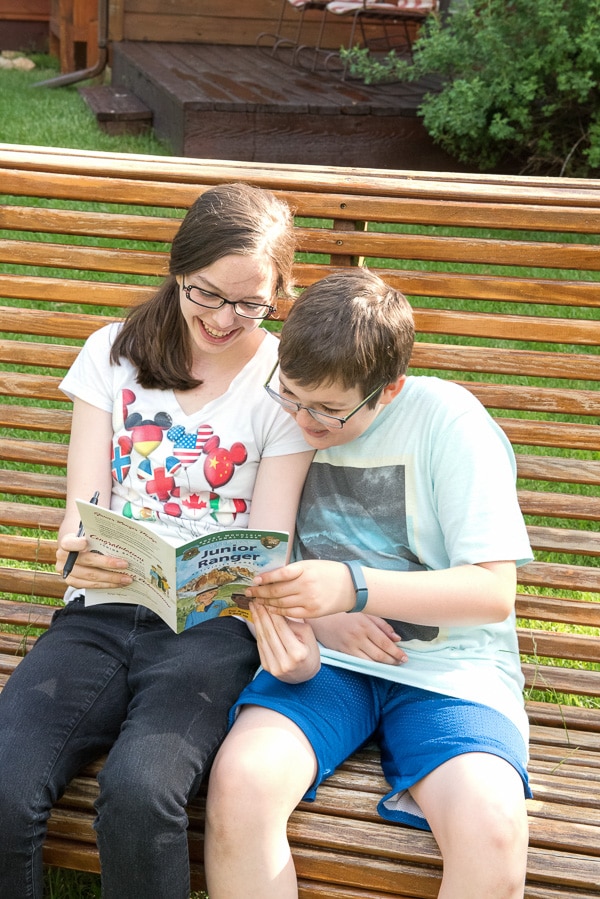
{"x": 429, "y": 485}
{"x": 185, "y": 475}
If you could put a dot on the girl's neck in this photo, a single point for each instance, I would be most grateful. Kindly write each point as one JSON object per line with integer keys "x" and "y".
{"x": 216, "y": 372}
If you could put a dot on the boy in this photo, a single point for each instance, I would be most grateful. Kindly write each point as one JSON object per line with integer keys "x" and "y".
{"x": 409, "y": 517}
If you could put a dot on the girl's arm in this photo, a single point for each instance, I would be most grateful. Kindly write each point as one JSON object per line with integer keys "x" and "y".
{"x": 289, "y": 649}
{"x": 88, "y": 470}
{"x": 275, "y": 502}
{"x": 277, "y": 492}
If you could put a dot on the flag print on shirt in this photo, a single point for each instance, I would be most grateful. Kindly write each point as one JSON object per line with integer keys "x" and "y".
{"x": 188, "y": 445}
{"x": 220, "y": 463}
{"x": 121, "y": 458}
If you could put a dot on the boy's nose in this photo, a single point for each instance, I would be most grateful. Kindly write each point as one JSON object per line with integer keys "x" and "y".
{"x": 306, "y": 420}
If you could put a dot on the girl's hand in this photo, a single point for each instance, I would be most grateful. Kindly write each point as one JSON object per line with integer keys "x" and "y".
{"x": 91, "y": 569}
{"x": 365, "y": 636}
{"x": 288, "y": 649}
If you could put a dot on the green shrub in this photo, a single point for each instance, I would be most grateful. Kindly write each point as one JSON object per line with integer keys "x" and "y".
{"x": 520, "y": 83}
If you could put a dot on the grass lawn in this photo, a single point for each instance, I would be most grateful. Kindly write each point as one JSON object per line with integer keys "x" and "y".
{"x": 62, "y": 884}
{"x": 58, "y": 116}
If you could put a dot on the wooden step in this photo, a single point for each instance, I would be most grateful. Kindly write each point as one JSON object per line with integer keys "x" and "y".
{"x": 117, "y": 110}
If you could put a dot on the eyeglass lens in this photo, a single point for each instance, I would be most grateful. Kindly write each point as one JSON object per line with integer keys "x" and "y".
{"x": 322, "y": 417}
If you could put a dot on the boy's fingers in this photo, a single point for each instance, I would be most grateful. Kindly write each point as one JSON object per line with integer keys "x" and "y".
{"x": 276, "y": 596}
{"x": 279, "y": 575}
{"x": 283, "y": 651}
{"x": 288, "y": 606}
{"x": 274, "y": 628}
{"x": 385, "y": 627}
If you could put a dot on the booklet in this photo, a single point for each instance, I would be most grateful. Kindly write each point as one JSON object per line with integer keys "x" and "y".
{"x": 187, "y": 583}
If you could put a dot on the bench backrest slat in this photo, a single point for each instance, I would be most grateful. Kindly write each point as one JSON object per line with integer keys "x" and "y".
{"x": 503, "y": 274}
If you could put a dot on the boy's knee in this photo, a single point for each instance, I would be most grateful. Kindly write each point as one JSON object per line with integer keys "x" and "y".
{"x": 506, "y": 827}
{"x": 232, "y": 802}
{"x": 244, "y": 780}
{"x": 261, "y": 771}
{"x": 232, "y": 768}
{"x": 498, "y": 832}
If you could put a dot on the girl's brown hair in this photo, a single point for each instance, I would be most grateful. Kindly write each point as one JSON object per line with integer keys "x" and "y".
{"x": 229, "y": 218}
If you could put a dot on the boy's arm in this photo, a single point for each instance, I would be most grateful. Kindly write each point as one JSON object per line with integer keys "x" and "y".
{"x": 466, "y": 595}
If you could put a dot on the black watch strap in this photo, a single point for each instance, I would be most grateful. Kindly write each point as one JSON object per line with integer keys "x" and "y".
{"x": 360, "y": 585}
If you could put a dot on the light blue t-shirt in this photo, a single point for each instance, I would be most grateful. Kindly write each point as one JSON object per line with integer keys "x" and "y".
{"x": 429, "y": 485}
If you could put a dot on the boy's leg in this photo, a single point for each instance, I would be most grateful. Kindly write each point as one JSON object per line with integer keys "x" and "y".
{"x": 287, "y": 739}
{"x": 272, "y": 765}
{"x": 476, "y": 809}
{"x": 465, "y": 767}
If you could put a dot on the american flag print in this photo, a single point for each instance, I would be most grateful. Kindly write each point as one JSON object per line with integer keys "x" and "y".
{"x": 187, "y": 445}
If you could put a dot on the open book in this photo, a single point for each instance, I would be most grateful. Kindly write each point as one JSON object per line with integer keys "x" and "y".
{"x": 188, "y": 583}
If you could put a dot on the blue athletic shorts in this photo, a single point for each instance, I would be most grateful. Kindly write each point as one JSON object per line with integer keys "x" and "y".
{"x": 417, "y": 730}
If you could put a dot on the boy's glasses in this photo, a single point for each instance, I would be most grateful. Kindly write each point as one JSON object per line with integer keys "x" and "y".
{"x": 210, "y": 300}
{"x": 330, "y": 421}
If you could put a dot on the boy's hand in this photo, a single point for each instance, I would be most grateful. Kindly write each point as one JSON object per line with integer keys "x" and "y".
{"x": 365, "y": 636}
{"x": 307, "y": 589}
{"x": 288, "y": 649}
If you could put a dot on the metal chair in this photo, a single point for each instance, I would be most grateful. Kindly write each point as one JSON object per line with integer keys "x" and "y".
{"x": 402, "y": 12}
{"x": 274, "y": 42}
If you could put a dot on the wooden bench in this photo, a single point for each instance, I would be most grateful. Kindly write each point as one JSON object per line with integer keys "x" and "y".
{"x": 528, "y": 277}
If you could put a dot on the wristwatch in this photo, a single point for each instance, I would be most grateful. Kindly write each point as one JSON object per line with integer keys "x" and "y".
{"x": 360, "y": 585}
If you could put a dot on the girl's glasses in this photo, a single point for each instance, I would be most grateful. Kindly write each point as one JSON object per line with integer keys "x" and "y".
{"x": 209, "y": 300}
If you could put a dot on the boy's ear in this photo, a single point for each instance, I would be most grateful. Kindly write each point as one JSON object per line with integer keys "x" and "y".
{"x": 391, "y": 391}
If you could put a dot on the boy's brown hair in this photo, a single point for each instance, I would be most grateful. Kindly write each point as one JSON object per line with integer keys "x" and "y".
{"x": 351, "y": 328}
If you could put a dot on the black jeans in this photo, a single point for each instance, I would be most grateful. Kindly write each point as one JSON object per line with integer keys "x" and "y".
{"x": 114, "y": 678}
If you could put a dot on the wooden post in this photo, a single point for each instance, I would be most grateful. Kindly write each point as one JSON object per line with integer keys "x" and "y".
{"x": 116, "y": 14}
{"x": 74, "y": 33}
{"x": 346, "y": 259}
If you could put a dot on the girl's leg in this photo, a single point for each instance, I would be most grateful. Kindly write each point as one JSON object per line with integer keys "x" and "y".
{"x": 261, "y": 773}
{"x": 475, "y": 806}
{"x": 61, "y": 707}
{"x": 182, "y": 688}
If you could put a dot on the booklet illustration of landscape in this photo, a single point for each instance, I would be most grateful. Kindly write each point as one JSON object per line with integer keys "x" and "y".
{"x": 185, "y": 584}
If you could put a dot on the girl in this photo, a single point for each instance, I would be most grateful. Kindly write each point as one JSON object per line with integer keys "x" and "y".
{"x": 171, "y": 425}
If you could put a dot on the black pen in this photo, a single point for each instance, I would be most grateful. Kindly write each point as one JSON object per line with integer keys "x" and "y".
{"x": 72, "y": 557}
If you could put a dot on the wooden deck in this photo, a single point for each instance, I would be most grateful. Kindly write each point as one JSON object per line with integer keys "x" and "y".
{"x": 240, "y": 103}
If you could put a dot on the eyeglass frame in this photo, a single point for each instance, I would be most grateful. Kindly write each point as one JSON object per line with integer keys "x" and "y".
{"x": 235, "y": 303}
{"x": 314, "y": 414}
